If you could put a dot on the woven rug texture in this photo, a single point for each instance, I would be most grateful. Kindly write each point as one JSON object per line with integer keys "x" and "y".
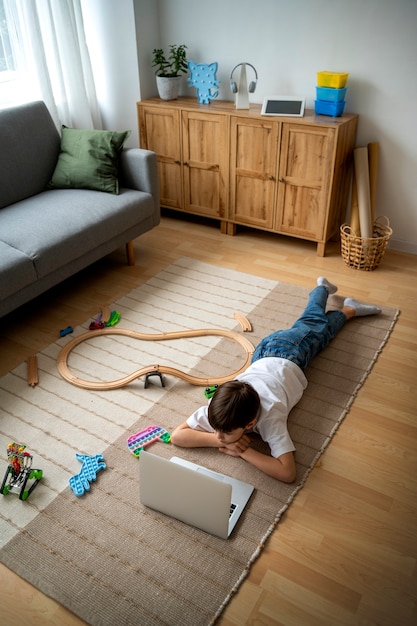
{"x": 105, "y": 556}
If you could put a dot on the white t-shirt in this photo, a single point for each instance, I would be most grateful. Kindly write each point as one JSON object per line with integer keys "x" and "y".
{"x": 280, "y": 384}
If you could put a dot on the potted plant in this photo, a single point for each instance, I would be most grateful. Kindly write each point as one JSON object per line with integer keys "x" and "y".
{"x": 169, "y": 69}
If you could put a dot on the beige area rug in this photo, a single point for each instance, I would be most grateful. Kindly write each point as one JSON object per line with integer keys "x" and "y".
{"x": 103, "y": 555}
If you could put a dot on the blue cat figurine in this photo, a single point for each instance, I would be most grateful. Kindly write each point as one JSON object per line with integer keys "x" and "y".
{"x": 203, "y": 78}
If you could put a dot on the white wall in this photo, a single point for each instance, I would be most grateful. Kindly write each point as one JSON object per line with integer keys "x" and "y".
{"x": 287, "y": 41}
{"x": 111, "y": 38}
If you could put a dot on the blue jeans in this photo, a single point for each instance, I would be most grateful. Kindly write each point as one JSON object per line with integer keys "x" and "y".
{"x": 310, "y": 334}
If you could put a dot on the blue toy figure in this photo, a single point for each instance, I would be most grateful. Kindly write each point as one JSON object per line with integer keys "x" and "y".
{"x": 80, "y": 483}
{"x": 203, "y": 78}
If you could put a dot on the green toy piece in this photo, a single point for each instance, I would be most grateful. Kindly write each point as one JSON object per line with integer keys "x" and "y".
{"x": 209, "y": 391}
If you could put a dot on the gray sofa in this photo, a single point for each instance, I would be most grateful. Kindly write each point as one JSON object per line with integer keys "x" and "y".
{"x": 46, "y": 235}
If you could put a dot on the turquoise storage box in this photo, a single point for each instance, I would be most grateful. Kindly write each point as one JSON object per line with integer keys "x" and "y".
{"x": 335, "y": 109}
{"x": 330, "y": 94}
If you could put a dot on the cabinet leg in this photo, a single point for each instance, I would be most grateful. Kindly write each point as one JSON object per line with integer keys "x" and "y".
{"x": 130, "y": 253}
{"x": 321, "y": 249}
{"x": 226, "y": 228}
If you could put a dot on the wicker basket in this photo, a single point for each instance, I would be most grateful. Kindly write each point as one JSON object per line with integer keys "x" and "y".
{"x": 365, "y": 253}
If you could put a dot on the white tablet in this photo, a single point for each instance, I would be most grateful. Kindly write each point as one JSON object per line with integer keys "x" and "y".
{"x": 288, "y": 106}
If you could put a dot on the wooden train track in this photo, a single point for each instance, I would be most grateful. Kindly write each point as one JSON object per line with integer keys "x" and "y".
{"x": 62, "y": 359}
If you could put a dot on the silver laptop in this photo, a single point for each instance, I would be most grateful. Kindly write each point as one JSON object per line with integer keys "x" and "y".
{"x": 191, "y": 493}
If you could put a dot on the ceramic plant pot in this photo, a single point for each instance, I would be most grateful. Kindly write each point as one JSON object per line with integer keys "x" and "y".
{"x": 168, "y": 88}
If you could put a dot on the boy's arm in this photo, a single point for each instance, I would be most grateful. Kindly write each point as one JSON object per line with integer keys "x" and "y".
{"x": 282, "y": 468}
{"x": 187, "y": 437}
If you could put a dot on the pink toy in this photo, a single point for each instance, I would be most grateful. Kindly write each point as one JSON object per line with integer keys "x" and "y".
{"x": 136, "y": 443}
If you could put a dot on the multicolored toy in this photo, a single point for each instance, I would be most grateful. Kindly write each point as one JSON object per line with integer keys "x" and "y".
{"x": 102, "y": 320}
{"x": 19, "y": 472}
{"x": 136, "y": 443}
{"x": 80, "y": 483}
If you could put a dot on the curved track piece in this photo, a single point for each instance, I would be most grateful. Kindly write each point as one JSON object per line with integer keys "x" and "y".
{"x": 163, "y": 369}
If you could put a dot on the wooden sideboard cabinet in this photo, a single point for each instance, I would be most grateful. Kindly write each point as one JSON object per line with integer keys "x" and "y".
{"x": 281, "y": 174}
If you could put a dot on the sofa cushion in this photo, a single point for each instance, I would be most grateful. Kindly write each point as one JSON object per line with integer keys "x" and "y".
{"x": 89, "y": 159}
{"x": 29, "y": 148}
{"x": 17, "y": 270}
{"x": 58, "y": 226}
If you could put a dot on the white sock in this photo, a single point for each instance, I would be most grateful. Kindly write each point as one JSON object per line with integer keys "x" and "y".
{"x": 362, "y": 309}
{"x": 326, "y": 283}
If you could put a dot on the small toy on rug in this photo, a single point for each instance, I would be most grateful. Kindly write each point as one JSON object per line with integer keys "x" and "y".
{"x": 19, "y": 472}
{"x": 209, "y": 391}
{"x": 137, "y": 442}
{"x": 105, "y": 319}
{"x": 32, "y": 371}
{"x": 66, "y": 331}
{"x": 80, "y": 483}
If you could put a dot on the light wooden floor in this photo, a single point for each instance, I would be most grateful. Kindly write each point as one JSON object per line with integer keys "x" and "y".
{"x": 345, "y": 552}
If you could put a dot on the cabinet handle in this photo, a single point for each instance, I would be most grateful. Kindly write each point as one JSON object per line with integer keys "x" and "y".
{"x": 271, "y": 177}
{"x": 177, "y": 162}
{"x": 185, "y": 163}
{"x": 281, "y": 180}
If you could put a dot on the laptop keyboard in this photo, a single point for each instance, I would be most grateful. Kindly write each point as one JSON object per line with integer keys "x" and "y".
{"x": 232, "y": 508}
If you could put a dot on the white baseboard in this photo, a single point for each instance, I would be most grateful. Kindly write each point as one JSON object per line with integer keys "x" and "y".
{"x": 402, "y": 246}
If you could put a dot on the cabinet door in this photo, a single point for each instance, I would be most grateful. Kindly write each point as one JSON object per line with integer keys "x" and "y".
{"x": 305, "y": 174}
{"x": 160, "y": 132}
{"x": 253, "y": 171}
{"x": 205, "y": 163}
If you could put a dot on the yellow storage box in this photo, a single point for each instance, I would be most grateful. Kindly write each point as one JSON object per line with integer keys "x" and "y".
{"x": 337, "y": 80}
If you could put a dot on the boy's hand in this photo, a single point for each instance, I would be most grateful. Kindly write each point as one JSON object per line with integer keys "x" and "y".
{"x": 237, "y": 448}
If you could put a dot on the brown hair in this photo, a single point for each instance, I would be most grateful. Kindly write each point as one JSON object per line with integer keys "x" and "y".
{"x": 234, "y": 405}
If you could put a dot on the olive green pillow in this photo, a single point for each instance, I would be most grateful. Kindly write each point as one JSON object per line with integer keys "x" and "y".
{"x": 89, "y": 159}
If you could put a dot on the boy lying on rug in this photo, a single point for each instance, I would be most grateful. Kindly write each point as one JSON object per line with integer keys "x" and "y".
{"x": 261, "y": 398}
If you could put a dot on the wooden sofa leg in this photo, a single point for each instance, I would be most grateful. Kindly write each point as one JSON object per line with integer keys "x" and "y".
{"x": 130, "y": 253}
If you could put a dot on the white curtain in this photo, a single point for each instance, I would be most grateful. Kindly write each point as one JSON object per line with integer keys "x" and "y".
{"x": 52, "y": 60}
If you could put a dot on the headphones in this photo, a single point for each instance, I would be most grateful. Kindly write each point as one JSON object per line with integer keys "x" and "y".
{"x": 252, "y": 84}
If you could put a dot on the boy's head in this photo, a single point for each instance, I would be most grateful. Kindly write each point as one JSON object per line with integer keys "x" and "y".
{"x": 233, "y": 407}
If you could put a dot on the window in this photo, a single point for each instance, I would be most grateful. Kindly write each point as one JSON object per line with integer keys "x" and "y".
{"x": 44, "y": 56}
{"x": 8, "y": 76}
{"x": 6, "y": 55}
